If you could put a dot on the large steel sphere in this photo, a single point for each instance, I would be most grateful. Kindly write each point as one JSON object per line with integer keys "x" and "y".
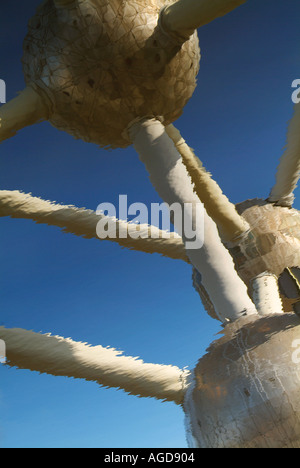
{"x": 274, "y": 241}
{"x": 246, "y": 389}
{"x": 273, "y": 245}
{"x": 105, "y": 63}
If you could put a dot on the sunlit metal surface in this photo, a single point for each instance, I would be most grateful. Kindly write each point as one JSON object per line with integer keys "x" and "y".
{"x": 246, "y": 390}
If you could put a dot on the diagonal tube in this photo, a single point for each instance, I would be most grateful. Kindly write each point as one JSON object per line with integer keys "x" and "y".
{"x": 184, "y": 16}
{"x": 170, "y": 178}
{"x": 82, "y": 222}
{"x": 28, "y": 108}
{"x": 110, "y": 368}
{"x": 288, "y": 171}
{"x": 231, "y": 225}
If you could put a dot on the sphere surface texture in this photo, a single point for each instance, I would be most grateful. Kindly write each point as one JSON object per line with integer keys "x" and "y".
{"x": 246, "y": 388}
{"x": 274, "y": 241}
{"x": 273, "y": 245}
{"x": 104, "y": 64}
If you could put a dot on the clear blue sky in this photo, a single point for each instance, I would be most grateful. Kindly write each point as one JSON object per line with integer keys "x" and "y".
{"x": 99, "y": 293}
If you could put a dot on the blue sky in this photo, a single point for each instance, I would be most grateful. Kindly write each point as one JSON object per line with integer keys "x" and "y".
{"x": 95, "y": 291}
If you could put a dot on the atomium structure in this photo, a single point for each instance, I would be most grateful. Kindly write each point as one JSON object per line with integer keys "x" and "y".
{"x": 118, "y": 73}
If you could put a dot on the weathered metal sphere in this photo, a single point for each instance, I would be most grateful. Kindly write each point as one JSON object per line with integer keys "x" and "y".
{"x": 105, "y": 63}
{"x": 273, "y": 245}
{"x": 246, "y": 388}
{"x": 274, "y": 242}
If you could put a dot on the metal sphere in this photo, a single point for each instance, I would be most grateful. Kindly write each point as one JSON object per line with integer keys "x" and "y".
{"x": 246, "y": 388}
{"x": 104, "y": 64}
{"x": 273, "y": 245}
{"x": 274, "y": 241}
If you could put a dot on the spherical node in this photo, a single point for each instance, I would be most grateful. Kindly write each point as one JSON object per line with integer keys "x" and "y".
{"x": 103, "y": 64}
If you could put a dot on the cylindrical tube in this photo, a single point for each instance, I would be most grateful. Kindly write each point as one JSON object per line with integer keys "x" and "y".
{"x": 230, "y": 224}
{"x": 173, "y": 183}
{"x": 288, "y": 171}
{"x": 64, "y": 357}
{"x": 28, "y": 108}
{"x": 266, "y": 295}
{"x": 82, "y": 222}
{"x": 184, "y": 16}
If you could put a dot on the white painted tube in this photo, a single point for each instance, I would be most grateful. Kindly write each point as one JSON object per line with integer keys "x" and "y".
{"x": 230, "y": 224}
{"x": 110, "y": 368}
{"x": 28, "y": 108}
{"x": 169, "y": 176}
{"x": 288, "y": 171}
{"x": 184, "y": 16}
{"x": 266, "y": 294}
{"x": 82, "y": 222}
